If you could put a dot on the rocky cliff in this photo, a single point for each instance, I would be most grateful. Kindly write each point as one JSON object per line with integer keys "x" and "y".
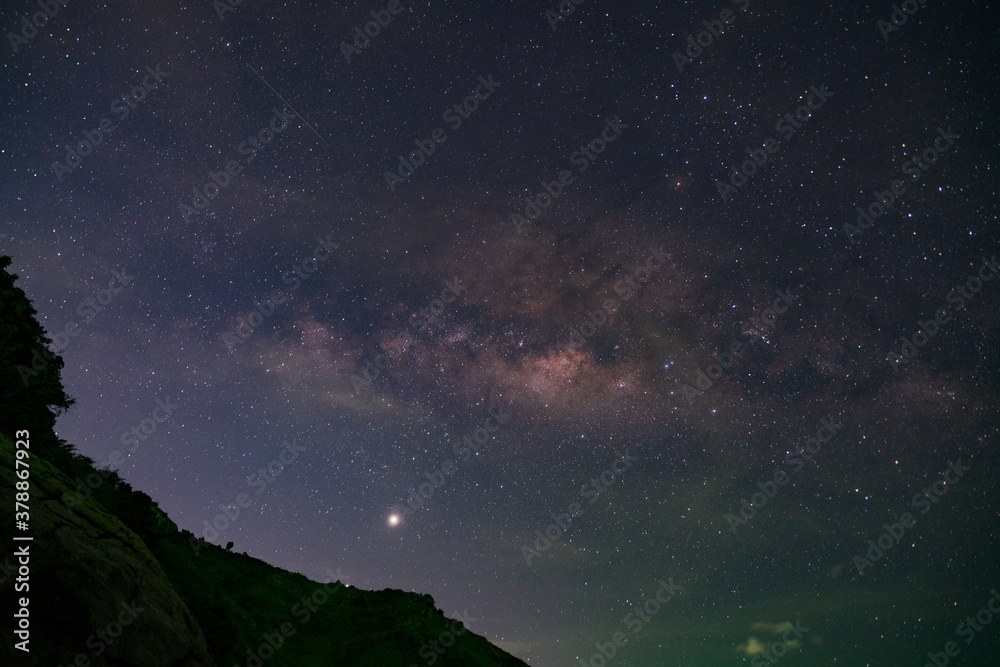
{"x": 96, "y": 593}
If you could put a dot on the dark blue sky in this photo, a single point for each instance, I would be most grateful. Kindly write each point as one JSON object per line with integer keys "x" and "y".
{"x": 507, "y": 273}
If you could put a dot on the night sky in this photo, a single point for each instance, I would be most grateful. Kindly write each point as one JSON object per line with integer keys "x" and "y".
{"x": 499, "y": 263}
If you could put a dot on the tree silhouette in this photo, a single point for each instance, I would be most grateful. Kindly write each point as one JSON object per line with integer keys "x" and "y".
{"x": 31, "y": 390}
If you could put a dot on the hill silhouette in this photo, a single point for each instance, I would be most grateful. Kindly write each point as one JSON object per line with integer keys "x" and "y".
{"x": 112, "y": 581}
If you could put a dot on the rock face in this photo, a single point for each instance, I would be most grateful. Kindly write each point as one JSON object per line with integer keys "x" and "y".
{"x": 97, "y": 595}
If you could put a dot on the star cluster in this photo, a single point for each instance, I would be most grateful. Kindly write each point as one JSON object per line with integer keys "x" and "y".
{"x": 599, "y": 294}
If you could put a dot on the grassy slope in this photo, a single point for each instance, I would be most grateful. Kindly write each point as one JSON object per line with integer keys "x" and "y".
{"x": 237, "y": 598}
{"x": 240, "y": 598}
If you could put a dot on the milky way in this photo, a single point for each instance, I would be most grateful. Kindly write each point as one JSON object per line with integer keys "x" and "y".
{"x": 611, "y": 223}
